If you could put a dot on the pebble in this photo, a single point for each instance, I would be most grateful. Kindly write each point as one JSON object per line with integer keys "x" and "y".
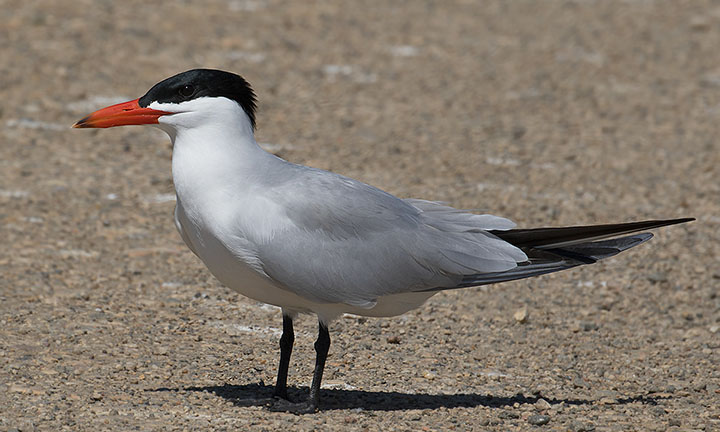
{"x": 538, "y": 419}
{"x": 580, "y": 383}
{"x": 393, "y": 339}
{"x": 658, "y": 411}
{"x": 584, "y": 326}
{"x": 542, "y": 405}
{"x": 430, "y": 375}
{"x": 589, "y": 326}
{"x": 521, "y": 315}
{"x": 699, "y": 23}
{"x": 657, "y": 277}
{"x": 578, "y": 426}
{"x": 509, "y": 415}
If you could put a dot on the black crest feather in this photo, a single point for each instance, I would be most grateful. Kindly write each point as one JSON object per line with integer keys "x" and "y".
{"x": 198, "y": 83}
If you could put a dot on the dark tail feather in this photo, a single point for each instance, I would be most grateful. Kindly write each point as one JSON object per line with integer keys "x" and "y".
{"x": 554, "y": 249}
{"x": 542, "y": 261}
{"x": 550, "y": 238}
{"x": 591, "y": 252}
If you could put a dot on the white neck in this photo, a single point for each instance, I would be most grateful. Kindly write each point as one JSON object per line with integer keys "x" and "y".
{"x": 215, "y": 156}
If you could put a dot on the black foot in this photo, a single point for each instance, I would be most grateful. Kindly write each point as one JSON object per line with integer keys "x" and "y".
{"x": 281, "y": 394}
{"x": 283, "y": 405}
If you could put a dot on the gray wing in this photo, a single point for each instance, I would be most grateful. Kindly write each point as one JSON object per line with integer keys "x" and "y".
{"x": 352, "y": 243}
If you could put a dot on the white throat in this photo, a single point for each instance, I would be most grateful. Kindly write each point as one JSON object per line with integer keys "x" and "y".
{"x": 215, "y": 156}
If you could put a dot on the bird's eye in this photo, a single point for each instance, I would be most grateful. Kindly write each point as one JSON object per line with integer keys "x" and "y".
{"x": 186, "y": 90}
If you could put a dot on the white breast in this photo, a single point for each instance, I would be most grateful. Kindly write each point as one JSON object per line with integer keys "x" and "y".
{"x": 233, "y": 261}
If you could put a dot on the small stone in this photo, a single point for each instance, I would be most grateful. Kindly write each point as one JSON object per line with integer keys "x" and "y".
{"x": 710, "y": 80}
{"x": 538, "y": 419}
{"x": 657, "y": 277}
{"x": 588, "y": 326}
{"x": 674, "y": 421}
{"x": 542, "y": 405}
{"x": 606, "y": 397}
{"x": 714, "y": 329}
{"x": 19, "y": 389}
{"x": 521, "y": 315}
{"x": 699, "y": 23}
{"x": 699, "y": 386}
{"x": 580, "y": 383}
{"x": 518, "y": 132}
{"x": 393, "y": 339}
{"x": 658, "y": 411}
{"x": 578, "y": 426}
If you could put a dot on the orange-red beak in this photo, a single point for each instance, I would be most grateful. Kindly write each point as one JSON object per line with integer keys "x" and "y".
{"x": 122, "y": 114}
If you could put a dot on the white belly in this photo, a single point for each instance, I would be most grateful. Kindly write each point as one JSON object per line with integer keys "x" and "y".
{"x": 238, "y": 268}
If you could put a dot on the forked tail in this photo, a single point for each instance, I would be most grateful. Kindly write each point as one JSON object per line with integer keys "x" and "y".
{"x": 554, "y": 249}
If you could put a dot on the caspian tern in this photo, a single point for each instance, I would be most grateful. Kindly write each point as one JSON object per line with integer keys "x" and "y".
{"x": 312, "y": 241}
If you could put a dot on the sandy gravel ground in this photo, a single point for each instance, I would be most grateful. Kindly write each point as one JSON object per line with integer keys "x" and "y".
{"x": 550, "y": 113}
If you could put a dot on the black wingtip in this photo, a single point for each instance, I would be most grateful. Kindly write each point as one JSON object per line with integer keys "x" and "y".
{"x": 552, "y": 237}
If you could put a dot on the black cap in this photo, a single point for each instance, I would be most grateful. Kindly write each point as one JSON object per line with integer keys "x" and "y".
{"x": 198, "y": 83}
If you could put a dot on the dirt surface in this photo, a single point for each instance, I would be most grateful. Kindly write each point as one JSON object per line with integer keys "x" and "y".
{"x": 549, "y": 113}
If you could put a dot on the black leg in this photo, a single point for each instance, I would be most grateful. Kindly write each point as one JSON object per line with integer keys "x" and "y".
{"x": 286, "y": 345}
{"x": 322, "y": 346}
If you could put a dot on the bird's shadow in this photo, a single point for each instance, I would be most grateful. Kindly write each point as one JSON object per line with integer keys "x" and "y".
{"x": 335, "y": 399}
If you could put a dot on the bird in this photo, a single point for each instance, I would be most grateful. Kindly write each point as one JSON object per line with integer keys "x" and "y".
{"x": 312, "y": 241}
